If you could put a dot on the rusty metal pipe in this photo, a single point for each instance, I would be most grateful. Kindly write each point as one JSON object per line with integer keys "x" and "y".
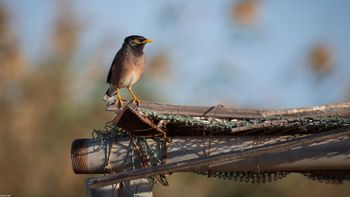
{"x": 90, "y": 157}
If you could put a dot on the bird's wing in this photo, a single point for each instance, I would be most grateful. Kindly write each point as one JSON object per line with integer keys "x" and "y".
{"x": 113, "y": 65}
{"x": 110, "y": 74}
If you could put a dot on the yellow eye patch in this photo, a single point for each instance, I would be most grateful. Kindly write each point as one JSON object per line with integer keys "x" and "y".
{"x": 138, "y": 41}
{"x": 142, "y": 41}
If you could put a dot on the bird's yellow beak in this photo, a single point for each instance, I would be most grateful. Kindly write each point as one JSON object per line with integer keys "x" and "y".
{"x": 147, "y": 41}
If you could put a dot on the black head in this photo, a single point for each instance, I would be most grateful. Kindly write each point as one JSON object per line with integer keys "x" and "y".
{"x": 137, "y": 42}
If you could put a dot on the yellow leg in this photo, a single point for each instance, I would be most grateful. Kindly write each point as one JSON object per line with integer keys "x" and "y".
{"x": 120, "y": 102}
{"x": 135, "y": 99}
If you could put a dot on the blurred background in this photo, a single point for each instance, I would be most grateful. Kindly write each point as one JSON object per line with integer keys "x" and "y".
{"x": 55, "y": 55}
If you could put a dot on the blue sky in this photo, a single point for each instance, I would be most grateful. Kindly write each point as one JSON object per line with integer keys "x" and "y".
{"x": 212, "y": 60}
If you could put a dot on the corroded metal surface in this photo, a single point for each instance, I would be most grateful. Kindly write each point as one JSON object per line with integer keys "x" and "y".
{"x": 203, "y": 139}
{"x": 79, "y": 156}
{"x": 332, "y": 154}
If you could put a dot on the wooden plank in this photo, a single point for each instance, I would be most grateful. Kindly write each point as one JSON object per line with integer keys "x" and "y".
{"x": 220, "y": 111}
{"x": 198, "y": 111}
{"x": 225, "y": 158}
{"x": 339, "y": 109}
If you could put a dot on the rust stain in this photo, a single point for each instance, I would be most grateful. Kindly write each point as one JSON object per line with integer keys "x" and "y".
{"x": 131, "y": 120}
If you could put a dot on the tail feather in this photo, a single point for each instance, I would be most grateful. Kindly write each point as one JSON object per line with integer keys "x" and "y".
{"x": 106, "y": 97}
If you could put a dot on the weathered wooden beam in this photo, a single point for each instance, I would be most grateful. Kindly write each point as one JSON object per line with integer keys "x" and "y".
{"x": 219, "y": 111}
{"x": 339, "y": 109}
{"x": 211, "y": 111}
{"x": 323, "y": 156}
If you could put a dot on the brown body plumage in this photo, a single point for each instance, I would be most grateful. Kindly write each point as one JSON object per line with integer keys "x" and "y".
{"x": 126, "y": 68}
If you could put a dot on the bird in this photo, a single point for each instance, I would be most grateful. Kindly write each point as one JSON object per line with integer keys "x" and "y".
{"x": 126, "y": 69}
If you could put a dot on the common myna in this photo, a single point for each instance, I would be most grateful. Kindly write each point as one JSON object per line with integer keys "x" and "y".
{"x": 126, "y": 68}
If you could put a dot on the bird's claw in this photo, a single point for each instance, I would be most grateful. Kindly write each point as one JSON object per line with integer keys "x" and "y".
{"x": 137, "y": 101}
